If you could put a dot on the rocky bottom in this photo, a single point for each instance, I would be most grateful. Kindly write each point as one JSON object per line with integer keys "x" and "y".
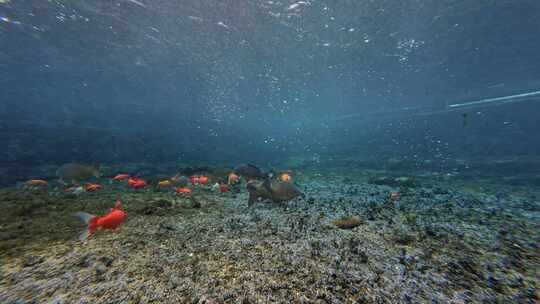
{"x": 429, "y": 245}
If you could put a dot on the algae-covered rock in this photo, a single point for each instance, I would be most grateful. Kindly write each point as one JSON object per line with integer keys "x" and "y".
{"x": 159, "y": 206}
{"x": 349, "y": 222}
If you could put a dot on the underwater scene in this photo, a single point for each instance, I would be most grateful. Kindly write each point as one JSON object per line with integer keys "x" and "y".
{"x": 269, "y": 151}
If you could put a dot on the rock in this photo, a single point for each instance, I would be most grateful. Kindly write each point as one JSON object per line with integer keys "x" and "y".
{"x": 86, "y": 260}
{"x": 107, "y": 260}
{"x": 154, "y": 207}
{"x": 347, "y": 222}
{"x": 32, "y": 260}
{"x": 100, "y": 270}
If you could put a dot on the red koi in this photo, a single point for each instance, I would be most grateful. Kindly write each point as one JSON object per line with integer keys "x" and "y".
{"x": 111, "y": 220}
{"x": 121, "y": 176}
{"x": 92, "y": 187}
{"x": 137, "y": 183}
{"x": 183, "y": 190}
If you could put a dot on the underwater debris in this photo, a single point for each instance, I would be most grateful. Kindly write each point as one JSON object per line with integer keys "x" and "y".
{"x": 348, "y": 222}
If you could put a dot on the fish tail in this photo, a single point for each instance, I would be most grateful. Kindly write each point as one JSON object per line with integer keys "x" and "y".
{"x": 84, "y": 217}
{"x": 88, "y": 219}
{"x": 252, "y": 194}
{"x": 84, "y": 235}
{"x": 252, "y": 198}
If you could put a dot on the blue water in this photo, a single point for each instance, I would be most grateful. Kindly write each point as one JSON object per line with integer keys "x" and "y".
{"x": 256, "y": 80}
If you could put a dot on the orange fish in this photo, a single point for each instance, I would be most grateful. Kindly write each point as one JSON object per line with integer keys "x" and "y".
{"x": 233, "y": 178}
{"x": 285, "y": 177}
{"x": 36, "y": 183}
{"x": 183, "y": 190}
{"x": 111, "y": 220}
{"x": 121, "y": 176}
{"x": 137, "y": 183}
{"x": 92, "y": 187}
{"x": 203, "y": 180}
{"x": 74, "y": 189}
{"x": 164, "y": 183}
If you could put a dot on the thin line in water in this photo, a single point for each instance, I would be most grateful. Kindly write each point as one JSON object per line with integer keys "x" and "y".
{"x": 511, "y": 98}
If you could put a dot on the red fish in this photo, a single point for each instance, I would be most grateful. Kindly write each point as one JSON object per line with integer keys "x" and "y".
{"x": 36, "y": 182}
{"x": 137, "y": 183}
{"x": 203, "y": 180}
{"x": 223, "y": 188}
{"x": 92, "y": 187}
{"x": 194, "y": 179}
{"x": 183, "y": 190}
{"x": 111, "y": 220}
{"x": 121, "y": 176}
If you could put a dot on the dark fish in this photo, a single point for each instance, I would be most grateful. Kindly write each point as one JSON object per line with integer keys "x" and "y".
{"x": 276, "y": 191}
{"x": 73, "y": 172}
{"x": 465, "y": 122}
{"x": 249, "y": 172}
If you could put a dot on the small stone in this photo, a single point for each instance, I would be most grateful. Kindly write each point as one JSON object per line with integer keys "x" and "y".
{"x": 347, "y": 222}
{"x": 100, "y": 270}
{"x": 86, "y": 260}
{"x": 107, "y": 260}
{"x": 32, "y": 260}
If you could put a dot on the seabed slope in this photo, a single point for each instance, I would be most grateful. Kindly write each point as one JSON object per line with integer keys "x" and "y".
{"x": 435, "y": 244}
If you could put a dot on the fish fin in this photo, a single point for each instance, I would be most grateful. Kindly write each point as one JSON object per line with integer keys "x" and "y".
{"x": 84, "y": 217}
{"x": 118, "y": 204}
{"x": 84, "y": 235}
{"x": 267, "y": 184}
{"x": 252, "y": 190}
{"x": 252, "y": 198}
